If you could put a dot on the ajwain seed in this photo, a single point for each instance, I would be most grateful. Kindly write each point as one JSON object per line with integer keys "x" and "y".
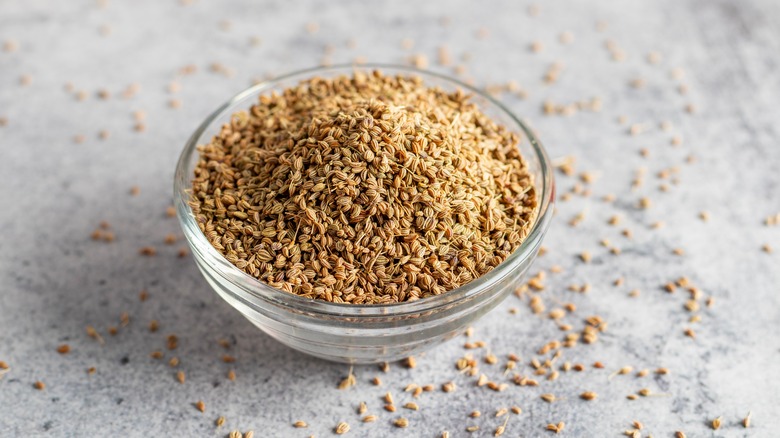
{"x": 716, "y": 423}
{"x": 341, "y": 428}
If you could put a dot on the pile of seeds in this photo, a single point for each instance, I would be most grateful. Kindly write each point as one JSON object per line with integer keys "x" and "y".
{"x": 364, "y": 189}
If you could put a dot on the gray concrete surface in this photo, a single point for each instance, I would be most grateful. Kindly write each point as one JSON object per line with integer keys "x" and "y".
{"x": 54, "y": 280}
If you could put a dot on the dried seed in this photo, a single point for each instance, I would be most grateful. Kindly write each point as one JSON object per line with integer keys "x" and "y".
{"x": 300, "y": 424}
{"x": 63, "y": 349}
{"x": 180, "y": 377}
{"x": 549, "y": 398}
{"x": 199, "y": 405}
{"x": 369, "y": 418}
{"x": 679, "y": 434}
{"x": 588, "y": 395}
{"x": 716, "y": 423}
{"x": 412, "y": 406}
{"x": 448, "y": 387}
{"x": 341, "y": 428}
{"x": 231, "y": 375}
{"x": 557, "y": 428}
{"x": 746, "y": 421}
{"x": 219, "y": 421}
{"x": 401, "y": 422}
{"x": 40, "y": 386}
{"x": 348, "y": 381}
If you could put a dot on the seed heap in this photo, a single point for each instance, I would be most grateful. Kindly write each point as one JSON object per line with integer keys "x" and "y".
{"x": 364, "y": 189}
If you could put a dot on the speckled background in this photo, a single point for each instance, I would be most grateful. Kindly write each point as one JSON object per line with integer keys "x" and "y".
{"x": 54, "y": 280}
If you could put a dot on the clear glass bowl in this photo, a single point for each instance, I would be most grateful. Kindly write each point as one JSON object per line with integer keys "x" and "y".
{"x": 362, "y": 333}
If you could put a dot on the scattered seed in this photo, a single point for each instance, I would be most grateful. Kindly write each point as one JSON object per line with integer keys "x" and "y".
{"x": 199, "y": 405}
{"x": 716, "y": 423}
{"x": 557, "y": 428}
{"x": 588, "y": 395}
{"x": 300, "y": 424}
{"x": 401, "y": 422}
{"x": 342, "y": 428}
{"x": 348, "y": 381}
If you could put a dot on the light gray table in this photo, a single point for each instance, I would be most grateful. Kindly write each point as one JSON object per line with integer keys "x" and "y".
{"x": 54, "y": 280}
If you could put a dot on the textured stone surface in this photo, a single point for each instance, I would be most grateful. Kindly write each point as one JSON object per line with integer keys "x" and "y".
{"x": 54, "y": 280}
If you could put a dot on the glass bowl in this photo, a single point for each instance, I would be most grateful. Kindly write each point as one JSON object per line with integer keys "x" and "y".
{"x": 362, "y": 333}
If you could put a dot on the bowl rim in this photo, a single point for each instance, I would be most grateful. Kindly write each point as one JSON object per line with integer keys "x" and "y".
{"x": 260, "y": 290}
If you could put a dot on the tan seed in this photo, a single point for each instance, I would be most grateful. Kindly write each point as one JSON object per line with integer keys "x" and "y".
{"x": 401, "y": 422}
{"x": 716, "y": 423}
{"x": 342, "y": 428}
